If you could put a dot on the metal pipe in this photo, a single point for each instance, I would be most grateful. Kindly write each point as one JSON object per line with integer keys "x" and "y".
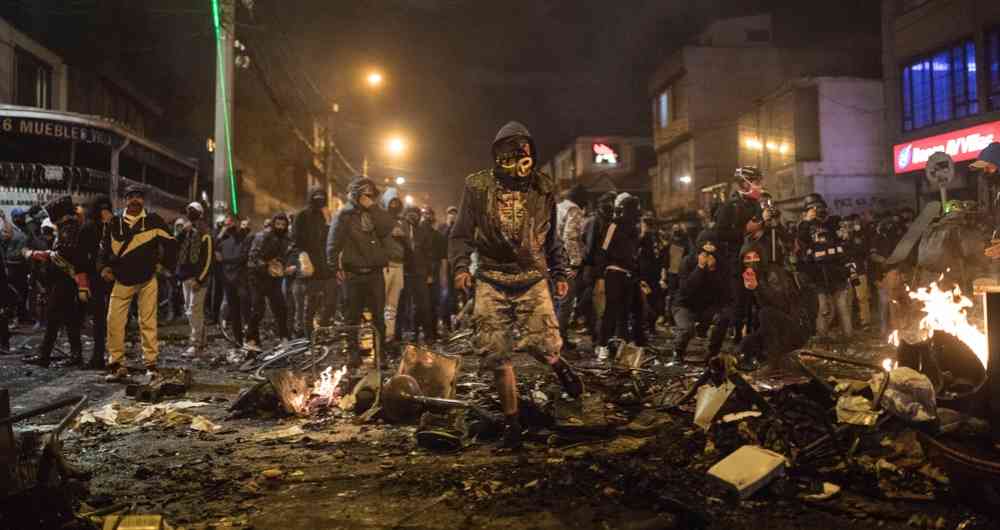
{"x": 65, "y": 402}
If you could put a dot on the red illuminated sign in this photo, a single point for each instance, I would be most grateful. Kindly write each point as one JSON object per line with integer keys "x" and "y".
{"x": 605, "y": 154}
{"x": 964, "y": 144}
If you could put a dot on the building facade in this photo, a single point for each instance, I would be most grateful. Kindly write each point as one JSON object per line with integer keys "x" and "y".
{"x": 701, "y": 90}
{"x": 941, "y": 61}
{"x": 605, "y": 163}
{"x": 823, "y": 135}
{"x": 65, "y": 129}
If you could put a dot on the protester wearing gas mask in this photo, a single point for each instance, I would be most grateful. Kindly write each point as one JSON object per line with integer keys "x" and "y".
{"x": 355, "y": 250}
{"x": 64, "y": 272}
{"x": 194, "y": 263}
{"x": 508, "y": 217}
{"x": 785, "y": 315}
{"x": 703, "y": 294}
{"x": 315, "y": 285}
{"x": 271, "y": 259}
{"x": 739, "y": 216}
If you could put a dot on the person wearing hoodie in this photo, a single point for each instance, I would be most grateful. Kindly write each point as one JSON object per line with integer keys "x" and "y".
{"x": 618, "y": 262}
{"x": 14, "y": 242}
{"x": 194, "y": 263}
{"x": 418, "y": 275}
{"x": 569, "y": 226}
{"x": 591, "y": 300}
{"x": 785, "y": 314}
{"x": 232, "y": 252}
{"x": 320, "y": 289}
{"x": 93, "y": 231}
{"x": 508, "y": 217}
{"x": 64, "y": 271}
{"x": 439, "y": 266}
{"x": 394, "y": 244}
{"x": 703, "y": 293}
{"x": 355, "y": 250}
{"x": 268, "y": 263}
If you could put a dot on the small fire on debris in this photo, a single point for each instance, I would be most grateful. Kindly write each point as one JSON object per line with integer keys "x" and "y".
{"x": 948, "y": 311}
{"x": 324, "y": 392}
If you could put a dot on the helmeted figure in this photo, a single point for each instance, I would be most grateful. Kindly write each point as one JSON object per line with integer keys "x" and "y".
{"x": 508, "y": 217}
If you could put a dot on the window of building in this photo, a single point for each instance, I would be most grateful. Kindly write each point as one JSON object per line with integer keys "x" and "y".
{"x": 661, "y": 109}
{"x": 940, "y": 87}
{"x": 993, "y": 67}
{"x": 32, "y": 81}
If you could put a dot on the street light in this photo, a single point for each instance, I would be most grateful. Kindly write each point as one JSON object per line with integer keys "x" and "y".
{"x": 374, "y": 79}
{"x": 400, "y": 181}
{"x": 408, "y": 200}
{"x": 395, "y": 146}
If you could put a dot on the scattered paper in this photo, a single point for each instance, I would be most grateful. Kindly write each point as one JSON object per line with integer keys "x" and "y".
{"x": 201, "y": 423}
{"x": 294, "y": 430}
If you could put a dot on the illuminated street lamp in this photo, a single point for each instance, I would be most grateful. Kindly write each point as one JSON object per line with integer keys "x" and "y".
{"x": 374, "y": 79}
{"x": 395, "y": 146}
{"x": 686, "y": 179}
{"x": 400, "y": 181}
{"x": 408, "y": 200}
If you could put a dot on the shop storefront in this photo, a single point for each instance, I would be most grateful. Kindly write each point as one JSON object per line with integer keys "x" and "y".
{"x": 47, "y": 153}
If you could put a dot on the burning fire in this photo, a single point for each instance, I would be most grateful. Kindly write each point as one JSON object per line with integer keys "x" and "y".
{"x": 326, "y": 387}
{"x": 948, "y": 311}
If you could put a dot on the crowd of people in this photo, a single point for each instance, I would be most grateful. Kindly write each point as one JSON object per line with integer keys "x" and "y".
{"x": 530, "y": 264}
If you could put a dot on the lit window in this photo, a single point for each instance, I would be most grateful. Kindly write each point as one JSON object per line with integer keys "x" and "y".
{"x": 940, "y": 87}
{"x": 993, "y": 68}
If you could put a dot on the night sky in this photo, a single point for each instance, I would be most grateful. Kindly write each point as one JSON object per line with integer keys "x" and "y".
{"x": 456, "y": 69}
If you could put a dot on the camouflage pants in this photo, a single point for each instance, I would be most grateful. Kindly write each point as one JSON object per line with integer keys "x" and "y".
{"x": 509, "y": 321}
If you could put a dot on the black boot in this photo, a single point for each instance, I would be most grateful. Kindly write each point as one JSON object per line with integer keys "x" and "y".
{"x": 38, "y": 360}
{"x": 569, "y": 379}
{"x": 511, "y": 433}
{"x": 73, "y": 360}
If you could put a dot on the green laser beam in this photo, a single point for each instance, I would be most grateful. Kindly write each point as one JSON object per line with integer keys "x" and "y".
{"x": 219, "y": 43}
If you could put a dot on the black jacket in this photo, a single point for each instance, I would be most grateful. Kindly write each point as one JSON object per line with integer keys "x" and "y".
{"x": 731, "y": 221}
{"x": 354, "y": 243}
{"x": 133, "y": 252}
{"x": 622, "y": 249}
{"x": 196, "y": 255}
{"x": 701, "y": 289}
{"x": 310, "y": 232}
{"x": 234, "y": 247}
{"x": 267, "y": 245}
{"x": 419, "y": 251}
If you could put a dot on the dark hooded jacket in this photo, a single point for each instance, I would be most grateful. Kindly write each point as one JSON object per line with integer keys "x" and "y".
{"x": 309, "y": 235}
{"x": 394, "y": 245}
{"x": 777, "y": 293}
{"x": 701, "y": 289}
{"x": 420, "y": 248}
{"x": 268, "y": 245}
{"x": 731, "y": 221}
{"x": 511, "y": 223}
{"x": 354, "y": 243}
{"x": 93, "y": 232}
{"x": 234, "y": 249}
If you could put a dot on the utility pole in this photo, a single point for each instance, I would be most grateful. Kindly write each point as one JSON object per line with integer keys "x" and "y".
{"x": 223, "y": 192}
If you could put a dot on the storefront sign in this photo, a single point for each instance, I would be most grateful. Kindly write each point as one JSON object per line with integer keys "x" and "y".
{"x": 605, "y": 155}
{"x": 964, "y": 144}
{"x": 55, "y": 129}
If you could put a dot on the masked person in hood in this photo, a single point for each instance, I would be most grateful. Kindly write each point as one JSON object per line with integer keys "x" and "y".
{"x": 703, "y": 294}
{"x": 232, "y": 252}
{"x": 93, "y": 231}
{"x": 395, "y": 244}
{"x": 591, "y": 299}
{"x": 64, "y": 273}
{"x": 316, "y": 292}
{"x": 508, "y": 217}
{"x": 785, "y": 315}
{"x": 738, "y": 217}
{"x": 270, "y": 261}
{"x": 679, "y": 246}
{"x": 439, "y": 266}
{"x": 138, "y": 243}
{"x": 619, "y": 254}
{"x": 418, "y": 271}
{"x": 355, "y": 250}
{"x": 194, "y": 263}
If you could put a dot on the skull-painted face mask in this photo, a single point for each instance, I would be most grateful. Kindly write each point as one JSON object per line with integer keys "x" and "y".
{"x": 514, "y": 158}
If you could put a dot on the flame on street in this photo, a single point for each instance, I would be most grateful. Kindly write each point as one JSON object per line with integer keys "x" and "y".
{"x": 948, "y": 311}
{"x": 324, "y": 391}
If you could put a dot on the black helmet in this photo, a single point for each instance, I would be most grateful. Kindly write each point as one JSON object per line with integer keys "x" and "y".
{"x": 813, "y": 200}
{"x": 749, "y": 173}
{"x": 59, "y": 208}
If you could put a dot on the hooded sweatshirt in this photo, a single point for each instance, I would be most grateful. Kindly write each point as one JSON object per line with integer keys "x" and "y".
{"x": 511, "y": 223}
{"x": 309, "y": 235}
{"x": 395, "y": 246}
{"x": 354, "y": 243}
{"x": 700, "y": 288}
